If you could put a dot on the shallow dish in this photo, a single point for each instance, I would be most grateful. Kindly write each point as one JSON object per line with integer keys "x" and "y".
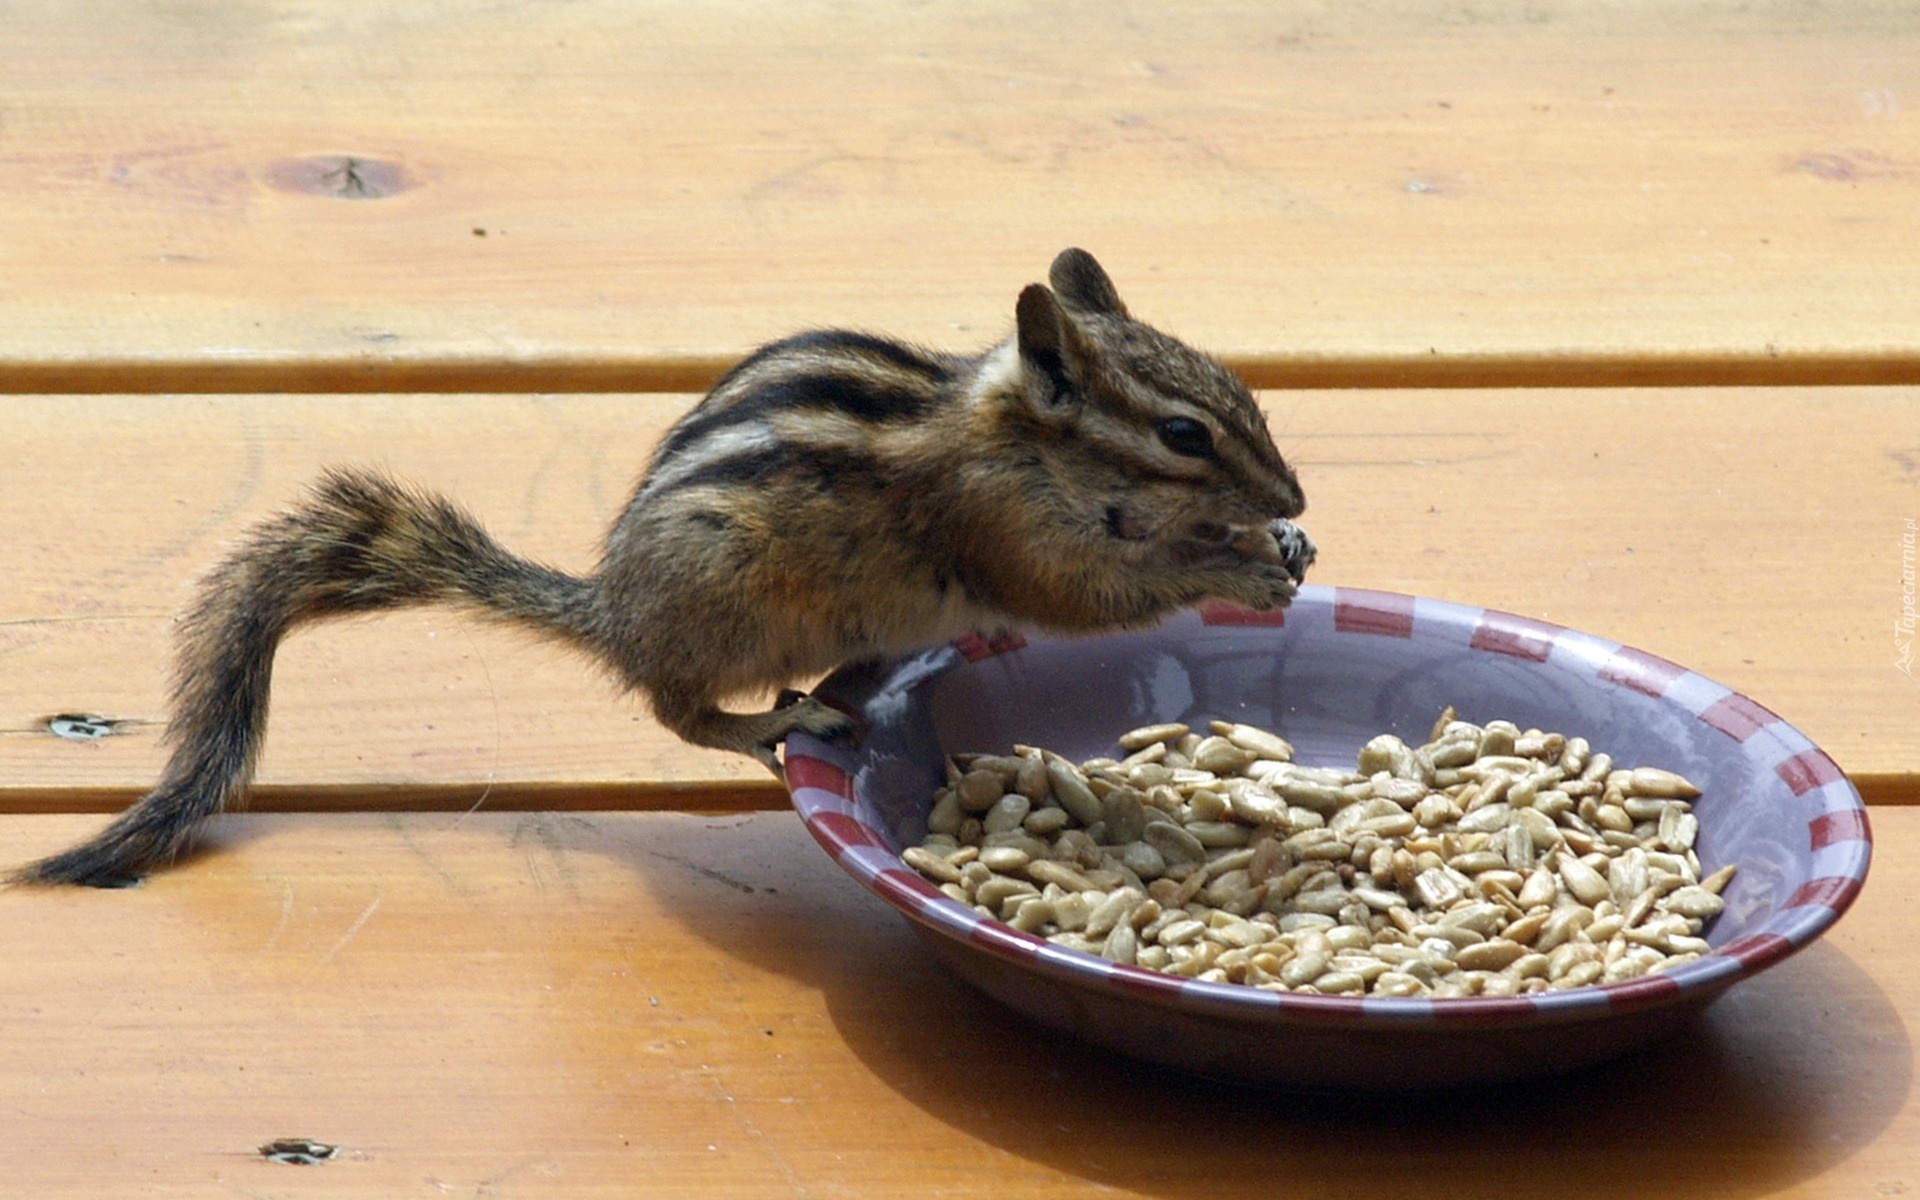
{"x": 1339, "y": 667}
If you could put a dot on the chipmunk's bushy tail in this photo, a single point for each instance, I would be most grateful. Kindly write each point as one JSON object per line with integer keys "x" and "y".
{"x": 360, "y": 543}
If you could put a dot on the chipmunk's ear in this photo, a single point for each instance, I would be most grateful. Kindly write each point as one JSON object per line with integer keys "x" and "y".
{"x": 1083, "y": 285}
{"x": 1051, "y": 354}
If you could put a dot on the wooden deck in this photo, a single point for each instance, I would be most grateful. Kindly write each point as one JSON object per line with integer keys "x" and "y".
{"x": 1562, "y": 309}
{"x": 657, "y": 1004}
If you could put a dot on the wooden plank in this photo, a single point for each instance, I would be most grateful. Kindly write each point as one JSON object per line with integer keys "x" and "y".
{"x": 123, "y": 503}
{"x": 268, "y": 195}
{"x": 663, "y": 1005}
{"x": 1752, "y": 535}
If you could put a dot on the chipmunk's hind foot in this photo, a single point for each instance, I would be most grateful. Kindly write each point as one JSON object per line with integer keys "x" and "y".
{"x": 795, "y": 710}
{"x": 760, "y": 734}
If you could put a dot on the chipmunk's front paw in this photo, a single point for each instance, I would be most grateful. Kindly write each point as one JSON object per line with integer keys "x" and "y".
{"x": 1279, "y": 542}
{"x": 1297, "y": 550}
{"x": 1260, "y": 586}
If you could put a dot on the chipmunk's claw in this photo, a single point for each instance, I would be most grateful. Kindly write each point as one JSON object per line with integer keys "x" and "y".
{"x": 1297, "y": 550}
{"x": 797, "y": 710}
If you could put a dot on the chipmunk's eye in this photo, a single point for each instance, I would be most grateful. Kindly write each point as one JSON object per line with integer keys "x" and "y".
{"x": 1184, "y": 435}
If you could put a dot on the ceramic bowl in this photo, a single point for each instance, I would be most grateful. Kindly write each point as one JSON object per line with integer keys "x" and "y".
{"x": 1338, "y": 667}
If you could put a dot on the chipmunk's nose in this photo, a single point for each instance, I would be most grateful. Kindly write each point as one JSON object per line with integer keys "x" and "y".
{"x": 1287, "y": 498}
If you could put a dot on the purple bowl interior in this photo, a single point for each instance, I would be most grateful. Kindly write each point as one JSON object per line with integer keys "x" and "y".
{"x": 1336, "y": 669}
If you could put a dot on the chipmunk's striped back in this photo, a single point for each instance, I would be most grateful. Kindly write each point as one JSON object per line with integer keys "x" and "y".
{"x": 807, "y": 407}
{"x": 837, "y": 496}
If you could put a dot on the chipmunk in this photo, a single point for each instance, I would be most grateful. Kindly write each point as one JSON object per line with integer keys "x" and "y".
{"x": 836, "y": 497}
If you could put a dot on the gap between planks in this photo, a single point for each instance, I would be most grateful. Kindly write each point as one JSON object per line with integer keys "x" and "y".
{"x": 698, "y": 373}
{"x": 1878, "y": 789}
{"x": 515, "y": 796}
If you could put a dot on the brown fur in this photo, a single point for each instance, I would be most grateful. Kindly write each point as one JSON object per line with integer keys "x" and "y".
{"x": 836, "y": 497}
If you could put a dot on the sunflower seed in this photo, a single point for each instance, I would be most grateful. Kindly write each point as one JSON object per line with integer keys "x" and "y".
{"x": 1530, "y": 859}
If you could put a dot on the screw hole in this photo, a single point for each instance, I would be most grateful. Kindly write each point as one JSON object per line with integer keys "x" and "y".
{"x": 80, "y": 727}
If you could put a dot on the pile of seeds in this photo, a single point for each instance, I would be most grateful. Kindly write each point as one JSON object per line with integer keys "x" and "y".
{"x": 1491, "y": 861}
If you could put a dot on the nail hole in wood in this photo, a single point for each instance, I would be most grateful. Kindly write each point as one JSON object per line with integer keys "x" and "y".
{"x": 80, "y": 727}
{"x": 340, "y": 176}
{"x": 299, "y": 1152}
